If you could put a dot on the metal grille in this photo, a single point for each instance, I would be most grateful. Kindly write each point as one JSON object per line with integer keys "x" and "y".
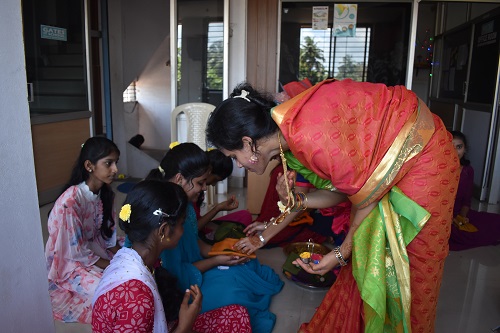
{"x": 344, "y": 57}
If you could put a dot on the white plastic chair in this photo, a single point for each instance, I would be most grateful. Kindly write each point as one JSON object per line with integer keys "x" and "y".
{"x": 197, "y": 116}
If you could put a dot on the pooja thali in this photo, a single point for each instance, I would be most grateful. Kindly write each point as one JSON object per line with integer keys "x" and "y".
{"x": 297, "y": 274}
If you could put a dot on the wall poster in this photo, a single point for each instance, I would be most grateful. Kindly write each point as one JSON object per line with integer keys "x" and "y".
{"x": 344, "y": 20}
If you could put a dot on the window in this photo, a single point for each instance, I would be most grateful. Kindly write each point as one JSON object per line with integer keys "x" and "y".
{"x": 129, "y": 95}
{"x": 215, "y": 55}
{"x": 338, "y": 57}
{"x": 377, "y": 53}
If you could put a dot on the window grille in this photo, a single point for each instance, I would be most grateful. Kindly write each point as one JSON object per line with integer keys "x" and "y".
{"x": 343, "y": 57}
{"x": 129, "y": 95}
{"x": 215, "y": 55}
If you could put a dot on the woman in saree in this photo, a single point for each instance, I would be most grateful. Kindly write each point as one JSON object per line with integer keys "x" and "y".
{"x": 383, "y": 150}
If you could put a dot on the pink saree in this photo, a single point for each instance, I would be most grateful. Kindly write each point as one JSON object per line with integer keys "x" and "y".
{"x": 375, "y": 143}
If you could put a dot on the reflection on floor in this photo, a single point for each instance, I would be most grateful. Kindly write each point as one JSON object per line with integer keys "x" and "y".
{"x": 470, "y": 291}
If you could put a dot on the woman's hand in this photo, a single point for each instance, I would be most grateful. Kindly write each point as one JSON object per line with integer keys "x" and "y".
{"x": 326, "y": 264}
{"x": 248, "y": 245}
{"x": 254, "y": 228}
{"x": 230, "y": 204}
{"x": 281, "y": 185}
{"x": 188, "y": 312}
{"x": 230, "y": 260}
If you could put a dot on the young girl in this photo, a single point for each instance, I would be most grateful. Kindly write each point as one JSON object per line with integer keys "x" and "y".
{"x": 486, "y": 230}
{"x": 127, "y": 298}
{"x": 221, "y": 167}
{"x": 82, "y": 237}
{"x": 223, "y": 279}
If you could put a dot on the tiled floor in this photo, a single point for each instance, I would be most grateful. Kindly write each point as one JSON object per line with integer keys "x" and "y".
{"x": 469, "y": 301}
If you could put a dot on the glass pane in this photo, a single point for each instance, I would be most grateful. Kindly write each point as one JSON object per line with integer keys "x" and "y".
{"x": 341, "y": 57}
{"x": 55, "y": 56}
{"x": 376, "y": 53}
{"x": 200, "y": 51}
{"x": 453, "y": 65}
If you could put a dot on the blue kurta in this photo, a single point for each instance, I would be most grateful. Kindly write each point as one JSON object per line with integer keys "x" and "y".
{"x": 250, "y": 284}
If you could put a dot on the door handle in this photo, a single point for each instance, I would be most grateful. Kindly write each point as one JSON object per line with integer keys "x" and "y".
{"x": 31, "y": 94}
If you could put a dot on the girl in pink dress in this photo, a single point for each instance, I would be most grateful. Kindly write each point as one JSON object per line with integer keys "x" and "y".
{"x": 82, "y": 236}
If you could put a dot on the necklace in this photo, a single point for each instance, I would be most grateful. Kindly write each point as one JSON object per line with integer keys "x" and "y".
{"x": 291, "y": 198}
{"x": 150, "y": 270}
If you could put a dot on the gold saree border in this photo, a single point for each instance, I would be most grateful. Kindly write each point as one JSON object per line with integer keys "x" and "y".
{"x": 410, "y": 141}
{"x": 399, "y": 257}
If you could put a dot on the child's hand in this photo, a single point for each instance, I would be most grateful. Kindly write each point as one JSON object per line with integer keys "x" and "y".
{"x": 230, "y": 204}
{"x": 189, "y": 312}
{"x": 227, "y": 260}
{"x": 248, "y": 245}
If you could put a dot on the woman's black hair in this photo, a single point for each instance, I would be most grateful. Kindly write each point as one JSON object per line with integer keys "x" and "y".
{"x": 461, "y": 136}
{"x": 221, "y": 165}
{"x": 146, "y": 198}
{"x": 237, "y": 117}
{"x": 94, "y": 149}
{"x": 186, "y": 158}
{"x": 171, "y": 295}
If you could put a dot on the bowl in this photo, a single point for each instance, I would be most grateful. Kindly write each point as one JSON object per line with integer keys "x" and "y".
{"x": 298, "y": 275}
{"x": 300, "y": 247}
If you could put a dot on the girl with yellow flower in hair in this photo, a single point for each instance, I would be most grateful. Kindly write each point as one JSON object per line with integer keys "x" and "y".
{"x": 223, "y": 279}
{"x": 82, "y": 236}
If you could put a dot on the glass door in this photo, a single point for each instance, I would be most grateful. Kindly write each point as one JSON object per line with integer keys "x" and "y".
{"x": 55, "y": 56}
{"x": 200, "y": 51}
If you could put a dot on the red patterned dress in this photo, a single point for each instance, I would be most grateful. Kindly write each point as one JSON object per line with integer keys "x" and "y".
{"x": 129, "y": 308}
{"x": 127, "y": 300}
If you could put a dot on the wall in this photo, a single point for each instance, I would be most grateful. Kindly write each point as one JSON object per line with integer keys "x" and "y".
{"x": 138, "y": 47}
{"x": 237, "y": 61}
{"x": 24, "y": 288}
{"x": 153, "y": 97}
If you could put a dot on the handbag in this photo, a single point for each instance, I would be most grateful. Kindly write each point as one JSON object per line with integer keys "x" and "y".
{"x": 463, "y": 224}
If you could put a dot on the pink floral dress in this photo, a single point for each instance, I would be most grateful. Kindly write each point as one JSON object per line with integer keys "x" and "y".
{"x": 74, "y": 245}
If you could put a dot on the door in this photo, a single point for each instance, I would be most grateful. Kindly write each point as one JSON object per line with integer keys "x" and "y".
{"x": 55, "y": 56}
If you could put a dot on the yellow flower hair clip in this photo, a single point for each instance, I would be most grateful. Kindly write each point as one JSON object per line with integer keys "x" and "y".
{"x": 125, "y": 213}
{"x": 174, "y": 144}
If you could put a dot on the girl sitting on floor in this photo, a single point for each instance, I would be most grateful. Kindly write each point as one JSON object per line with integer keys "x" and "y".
{"x": 82, "y": 236}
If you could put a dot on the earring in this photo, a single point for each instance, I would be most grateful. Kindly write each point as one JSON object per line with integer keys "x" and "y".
{"x": 90, "y": 170}
{"x": 168, "y": 239}
{"x": 254, "y": 159}
{"x": 161, "y": 238}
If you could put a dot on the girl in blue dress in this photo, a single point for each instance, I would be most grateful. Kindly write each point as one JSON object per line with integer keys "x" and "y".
{"x": 223, "y": 279}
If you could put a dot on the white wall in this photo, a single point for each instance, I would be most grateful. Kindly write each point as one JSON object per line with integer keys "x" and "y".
{"x": 137, "y": 35}
{"x": 153, "y": 96}
{"x": 237, "y": 54}
{"x": 426, "y": 21}
{"x": 25, "y": 303}
{"x": 145, "y": 26}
